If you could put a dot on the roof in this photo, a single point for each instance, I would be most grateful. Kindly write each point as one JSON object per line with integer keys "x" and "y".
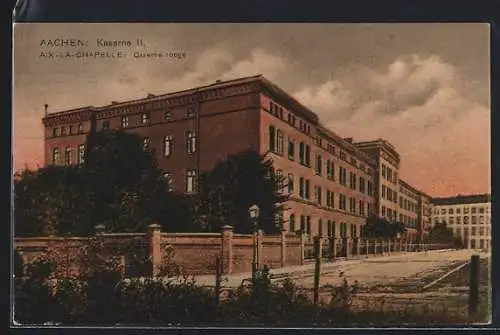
{"x": 378, "y": 143}
{"x": 462, "y": 199}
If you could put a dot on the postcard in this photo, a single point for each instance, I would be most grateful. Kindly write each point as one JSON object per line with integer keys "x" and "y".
{"x": 251, "y": 175}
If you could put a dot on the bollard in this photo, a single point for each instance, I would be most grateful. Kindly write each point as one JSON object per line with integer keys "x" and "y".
{"x": 218, "y": 275}
{"x": 317, "y": 256}
{"x": 474, "y": 284}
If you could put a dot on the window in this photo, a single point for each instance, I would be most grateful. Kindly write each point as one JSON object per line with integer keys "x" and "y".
{"x": 105, "y": 125}
{"x": 352, "y": 180}
{"x": 320, "y": 227}
{"x": 307, "y": 190}
{"x": 317, "y": 194}
{"x": 352, "y": 205}
{"x": 308, "y": 224}
{"x": 291, "y": 149}
{"x": 191, "y": 142}
{"x": 330, "y": 170}
{"x": 443, "y": 211}
{"x": 279, "y": 178}
{"x": 343, "y": 156}
{"x": 457, "y": 211}
{"x": 353, "y": 231}
{"x": 80, "y": 128}
{"x": 55, "y": 132}
{"x": 361, "y": 207}
{"x": 473, "y": 231}
{"x": 190, "y": 112}
{"x": 370, "y": 188}
{"x": 362, "y": 184}
{"x": 342, "y": 201}
{"x": 473, "y": 210}
{"x": 383, "y": 192}
{"x": 389, "y": 194}
{"x": 389, "y": 174}
{"x": 383, "y": 170}
{"x": 481, "y": 231}
{"x": 280, "y": 144}
{"x": 144, "y": 118}
{"x": 81, "y": 153}
{"x": 318, "y": 164}
{"x": 466, "y": 210}
{"x": 168, "y": 145}
{"x": 308, "y": 156}
{"x": 474, "y": 219}
{"x": 342, "y": 176}
{"x": 302, "y": 193}
{"x": 55, "y": 156}
{"x": 343, "y": 229}
{"x": 272, "y": 139}
{"x": 145, "y": 143}
{"x": 458, "y": 219}
{"x": 400, "y": 202}
{"x": 330, "y": 199}
{"x": 67, "y": 156}
{"x": 450, "y": 211}
{"x": 167, "y": 116}
{"x": 302, "y": 150}
{"x": 71, "y": 129}
{"x": 63, "y": 131}
{"x": 383, "y": 211}
{"x": 124, "y": 121}
{"x": 290, "y": 183}
{"x": 170, "y": 181}
{"x": 370, "y": 209}
{"x": 302, "y": 223}
{"x": 466, "y": 220}
{"x": 190, "y": 181}
{"x": 291, "y": 223}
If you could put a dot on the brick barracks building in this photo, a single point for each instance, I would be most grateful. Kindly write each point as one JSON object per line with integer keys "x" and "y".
{"x": 334, "y": 183}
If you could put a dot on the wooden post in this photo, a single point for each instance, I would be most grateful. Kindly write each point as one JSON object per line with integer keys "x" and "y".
{"x": 374, "y": 247}
{"x": 358, "y": 247}
{"x": 389, "y": 247}
{"x": 474, "y": 284}
{"x": 367, "y": 246}
{"x": 317, "y": 256}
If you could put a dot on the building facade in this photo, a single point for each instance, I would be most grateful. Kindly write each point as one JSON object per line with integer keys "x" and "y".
{"x": 334, "y": 184}
{"x": 469, "y": 216}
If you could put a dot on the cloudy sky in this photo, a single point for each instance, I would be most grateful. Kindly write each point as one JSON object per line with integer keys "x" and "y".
{"x": 423, "y": 87}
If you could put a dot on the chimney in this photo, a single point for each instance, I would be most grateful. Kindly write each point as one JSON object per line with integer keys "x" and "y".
{"x": 151, "y": 95}
{"x": 114, "y": 102}
{"x": 46, "y": 107}
{"x": 349, "y": 139}
{"x": 218, "y": 81}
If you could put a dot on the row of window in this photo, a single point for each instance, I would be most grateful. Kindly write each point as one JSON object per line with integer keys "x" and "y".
{"x": 473, "y": 210}
{"x": 304, "y": 193}
{"x": 327, "y": 227}
{"x": 408, "y": 205}
{"x": 67, "y": 130}
{"x": 389, "y": 194}
{"x": 389, "y": 175}
{"x": 278, "y": 111}
{"x": 276, "y": 145}
{"x": 458, "y": 220}
{"x": 190, "y": 177}
{"x": 483, "y": 231}
{"x": 409, "y": 221}
{"x": 146, "y": 119}
{"x": 168, "y": 143}
{"x": 68, "y": 155}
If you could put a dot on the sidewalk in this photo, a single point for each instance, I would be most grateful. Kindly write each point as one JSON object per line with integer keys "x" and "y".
{"x": 306, "y": 270}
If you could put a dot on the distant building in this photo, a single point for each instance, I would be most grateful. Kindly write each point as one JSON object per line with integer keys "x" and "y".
{"x": 334, "y": 184}
{"x": 469, "y": 216}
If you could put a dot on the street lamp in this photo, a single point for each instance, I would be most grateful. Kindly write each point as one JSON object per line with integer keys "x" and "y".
{"x": 253, "y": 212}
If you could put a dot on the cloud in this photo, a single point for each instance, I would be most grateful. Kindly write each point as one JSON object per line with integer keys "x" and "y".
{"x": 421, "y": 106}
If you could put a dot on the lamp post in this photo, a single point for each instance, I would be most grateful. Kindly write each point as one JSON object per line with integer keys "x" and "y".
{"x": 253, "y": 212}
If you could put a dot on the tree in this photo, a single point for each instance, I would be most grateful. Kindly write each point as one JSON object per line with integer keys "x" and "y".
{"x": 242, "y": 180}
{"x": 378, "y": 227}
{"x": 119, "y": 185}
{"x": 441, "y": 234}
